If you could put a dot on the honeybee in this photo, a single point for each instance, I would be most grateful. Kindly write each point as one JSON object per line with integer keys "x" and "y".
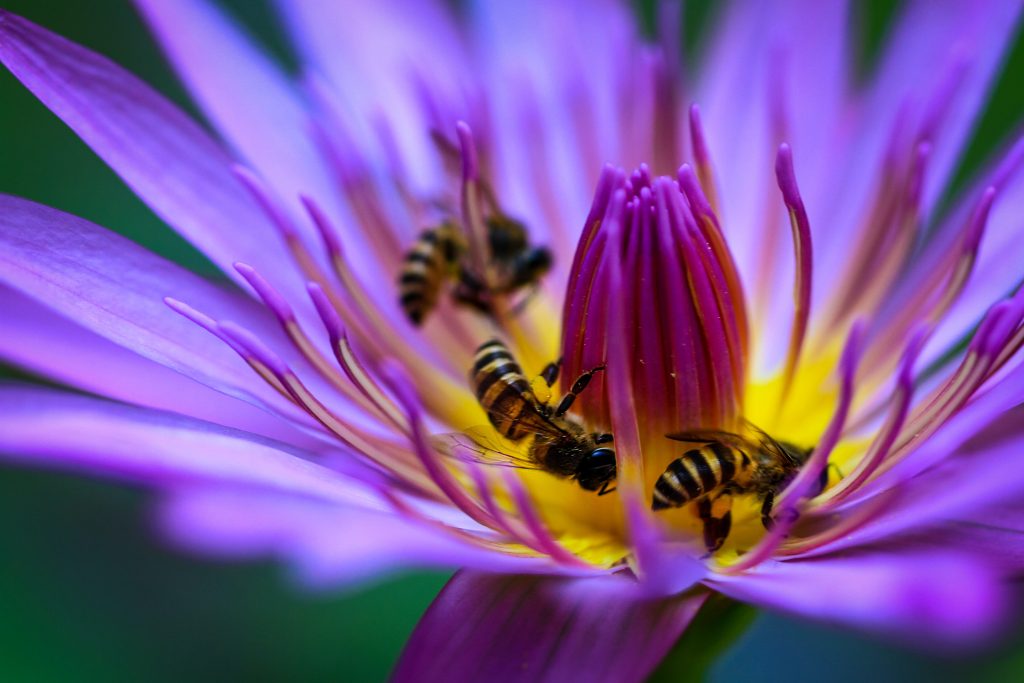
{"x": 433, "y": 258}
{"x": 723, "y": 465}
{"x": 440, "y": 254}
{"x": 559, "y": 443}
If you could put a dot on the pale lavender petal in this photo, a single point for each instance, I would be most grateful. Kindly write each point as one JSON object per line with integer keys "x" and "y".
{"x": 924, "y": 44}
{"x": 325, "y": 544}
{"x": 972, "y": 476}
{"x": 997, "y": 270}
{"x": 44, "y": 342}
{"x": 246, "y": 96}
{"x": 933, "y": 598}
{"x": 376, "y": 55}
{"x": 995, "y": 532}
{"x": 988, "y": 410}
{"x": 46, "y": 427}
{"x": 166, "y": 158}
{"x": 486, "y": 627}
{"x": 115, "y": 288}
{"x": 924, "y": 47}
{"x": 776, "y": 73}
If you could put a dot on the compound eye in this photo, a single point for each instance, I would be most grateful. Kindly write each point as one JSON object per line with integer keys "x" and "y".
{"x": 601, "y": 457}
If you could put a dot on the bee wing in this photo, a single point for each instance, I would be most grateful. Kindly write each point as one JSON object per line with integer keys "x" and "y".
{"x": 709, "y": 435}
{"x": 530, "y": 418}
{"x": 482, "y": 445}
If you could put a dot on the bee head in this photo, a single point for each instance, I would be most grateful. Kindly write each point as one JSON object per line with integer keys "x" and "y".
{"x": 596, "y": 468}
{"x": 536, "y": 261}
{"x": 507, "y": 236}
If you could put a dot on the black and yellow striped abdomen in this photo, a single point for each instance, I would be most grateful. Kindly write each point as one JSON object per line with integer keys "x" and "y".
{"x": 700, "y": 471}
{"x": 503, "y": 391}
{"x": 431, "y": 259}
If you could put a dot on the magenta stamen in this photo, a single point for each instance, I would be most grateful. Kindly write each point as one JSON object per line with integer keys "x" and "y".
{"x": 803, "y": 261}
{"x": 470, "y": 162}
{"x": 882, "y": 444}
{"x": 329, "y": 316}
{"x": 786, "y": 506}
{"x": 543, "y": 539}
{"x": 273, "y": 300}
{"x": 254, "y": 348}
{"x": 395, "y": 377}
{"x": 323, "y": 227}
{"x": 262, "y": 194}
{"x": 621, "y": 403}
{"x": 204, "y": 321}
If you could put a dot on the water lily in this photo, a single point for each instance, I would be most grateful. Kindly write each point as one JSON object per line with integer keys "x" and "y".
{"x": 780, "y": 256}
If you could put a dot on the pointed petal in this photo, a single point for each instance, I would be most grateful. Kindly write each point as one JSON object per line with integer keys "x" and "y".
{"x": 377, "y": 55}
{"x": 929, "y": 598}
{"x": 917, "y": 68}
{"x": 166, "y": 158}
{"x": 518, "y": 628}
{"x": 46, "y": 427}
{"x": 46, "y": 343}
{"x": 963, "y": 469}
{"x": 115, "y": 289}
{"x": 325, "y": 544}
{"x": 245, "y": 95}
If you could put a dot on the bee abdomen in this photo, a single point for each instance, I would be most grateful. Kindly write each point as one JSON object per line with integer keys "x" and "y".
{"x": 696, "y": 473}
{"x": 424, "y": 269}
{"x": 501, "y": 388}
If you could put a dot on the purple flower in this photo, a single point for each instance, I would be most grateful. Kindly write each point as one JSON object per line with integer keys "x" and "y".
{"x": 798, "y": 273}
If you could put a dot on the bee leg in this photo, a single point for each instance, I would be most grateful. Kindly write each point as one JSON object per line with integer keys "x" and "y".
{"x": 470, "y": 292}
{"x": 717, "y": 518}
{"x": 766, "y": 511}
{"x": 550, "y": 373}
{"x": 823, "y": 480}
{"x": 577, "y": 387}
{"x": 605, "y": 489}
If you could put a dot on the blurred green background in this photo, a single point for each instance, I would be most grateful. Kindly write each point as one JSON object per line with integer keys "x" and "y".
{"x": 89, "y": 593}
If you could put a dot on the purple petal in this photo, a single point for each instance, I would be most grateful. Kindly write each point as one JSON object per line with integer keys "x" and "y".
{"x": 997, "y": 268}
{"x": 931, "y": 598}
{"x": 948, "y": 478}
{"x": 39, "y": 340}
{"x": 247, "y": 97}
{"x": 47, "y": 427}
{"x": 114, "y": 288}
{"x": 167, "y": 159}
{"x": 924, "y": 46}
{"x": 776, "y": 73}
{"x": 325, "y": 543}
{"x": 376, "y": 55}
{"x": 485, "y": 627}
{"x": 995, "y": 532}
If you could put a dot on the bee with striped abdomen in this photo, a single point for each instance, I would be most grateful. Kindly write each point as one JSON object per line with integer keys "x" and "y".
{"x": 558, "y": 442}
{"x": 722, "y": 465}
{"x": 433, "y": 259}
{"x": 441, "y": 254}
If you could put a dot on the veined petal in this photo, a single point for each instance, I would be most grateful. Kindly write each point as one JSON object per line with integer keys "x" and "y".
{"x": 924, "y": 46}
{"x": 46, "y": 343}
{"x": 516, "y": 628}
{"x": 932, "y": 598}
{"x": 48, "y": 427}
{"x": 166, "y": 158}
{"x": 115, "y": 288}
